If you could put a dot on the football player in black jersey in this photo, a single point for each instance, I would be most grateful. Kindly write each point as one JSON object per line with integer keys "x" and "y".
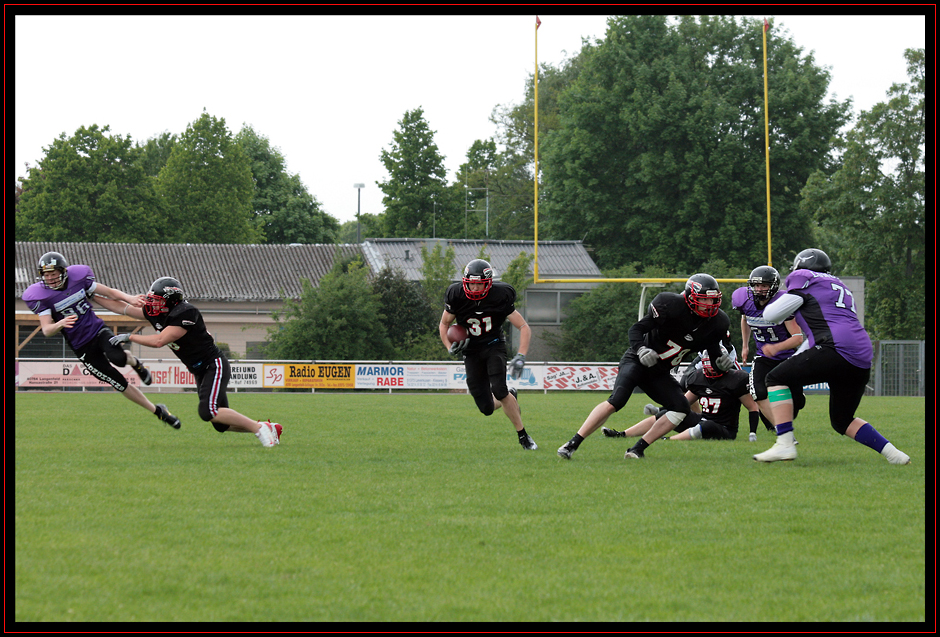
{"x": 719, "y": 396}
{"x": 674, "y": 325}
{"x": 482, "y": 305}
{"x": 180, "y": 326}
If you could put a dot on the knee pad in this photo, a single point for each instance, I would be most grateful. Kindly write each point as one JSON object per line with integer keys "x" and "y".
{"x": 205, "y": 414}
{"x": 219, "y": 427}
{"x": 485, "y": 404}
{"x": 675, "y": 417}
{"x": 841, "y": 427}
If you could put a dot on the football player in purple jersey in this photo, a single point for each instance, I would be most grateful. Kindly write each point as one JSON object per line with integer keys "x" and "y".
{"x": 839, "y": 353}
{"x": 180, "y": 327}
{"x": 482, "y": 305}
{"x": 718, "y": 395}
{"x": 775, "y": 342}
{"x": 61, "y": 297}
{"x": 674, "y": 325}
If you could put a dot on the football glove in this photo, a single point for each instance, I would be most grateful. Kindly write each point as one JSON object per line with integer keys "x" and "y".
{"x": 458, "y": 346}
{"x": 647, "y": 356}
{"x": 516, "y": 365}
{"x": 120, "y": 338}
{"x": 725, "y": 361}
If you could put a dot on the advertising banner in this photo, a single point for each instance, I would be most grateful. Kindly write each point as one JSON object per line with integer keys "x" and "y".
{"x": 590, "y": 377}
{"x": 310, "y": 376}
{"x": 168, "y": 375}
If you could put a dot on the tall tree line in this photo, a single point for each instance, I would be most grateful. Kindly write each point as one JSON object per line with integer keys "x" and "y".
{"x": 205, "y": 186}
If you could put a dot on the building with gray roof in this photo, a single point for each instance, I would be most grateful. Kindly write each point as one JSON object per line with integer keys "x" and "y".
{"x": 237, "y": 287}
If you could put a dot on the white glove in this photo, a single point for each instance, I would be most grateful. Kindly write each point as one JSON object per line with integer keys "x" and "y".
{"x": 120, "y": 338}
{"x": 516, "y": 365}
{"x": 648, "y": 356}
{"x": 725, "y": 361}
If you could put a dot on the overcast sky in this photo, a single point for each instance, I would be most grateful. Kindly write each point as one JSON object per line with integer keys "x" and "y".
{"x": 329, "y": 91}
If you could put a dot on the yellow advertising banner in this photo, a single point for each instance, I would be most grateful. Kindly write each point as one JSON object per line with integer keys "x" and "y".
{"x": 310, "y": 376}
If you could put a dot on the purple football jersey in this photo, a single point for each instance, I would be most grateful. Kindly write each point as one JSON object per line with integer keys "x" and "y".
{"x": 762, "y": 330}
{"x": 74, "y": 298}
{"x": 828, "y": 315}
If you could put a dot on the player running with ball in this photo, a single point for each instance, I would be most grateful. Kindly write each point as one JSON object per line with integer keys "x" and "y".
{"x": 482, "y": 306}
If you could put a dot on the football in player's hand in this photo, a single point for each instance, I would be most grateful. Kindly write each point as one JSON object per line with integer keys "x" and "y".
{"x": 456, "y": 333}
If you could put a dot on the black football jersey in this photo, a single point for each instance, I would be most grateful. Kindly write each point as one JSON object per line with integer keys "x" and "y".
{"x": 720, "y": 398}
{"x": 196, "y": 346}
{"x": 672, "y": 330}
{"x": 484, "y": 318}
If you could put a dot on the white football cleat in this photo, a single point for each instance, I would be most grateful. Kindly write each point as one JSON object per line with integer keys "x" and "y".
{"x": 895, "y": 455}
{"x": 752, "y": 437}
{"x": 783, "y": 449}
{"x": 267, "y": 434}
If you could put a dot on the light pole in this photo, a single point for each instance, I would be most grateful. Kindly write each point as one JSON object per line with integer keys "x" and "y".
{"x": 358, "y": 188}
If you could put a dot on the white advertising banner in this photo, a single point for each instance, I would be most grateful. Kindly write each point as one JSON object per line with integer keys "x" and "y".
{"x": 174, "y": 376}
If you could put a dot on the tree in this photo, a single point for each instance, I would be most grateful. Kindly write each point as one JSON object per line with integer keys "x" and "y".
{"x": 335, "y": 321}
{"x": 208, "y": 187}
{"x": 155, "y": 152}
{"x": 518, "y": 274}
{"x": 416, "y": 178}
{"x": 658, "y": 153}
{"x": 409, "y": 318}
{"x": 367, "y": 226}
{"x": 872, "y": 209}
{"x": 598, "y": 321}
{"x": 438, "y": 271}
{"x": 89, "y": 187}
{"x": 284, "y": 210}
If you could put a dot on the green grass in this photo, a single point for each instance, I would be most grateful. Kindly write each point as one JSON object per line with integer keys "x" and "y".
{"x": 416, "y": 508}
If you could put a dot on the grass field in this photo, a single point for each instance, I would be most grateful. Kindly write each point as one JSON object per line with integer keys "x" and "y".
{"x": 416, "y": 508}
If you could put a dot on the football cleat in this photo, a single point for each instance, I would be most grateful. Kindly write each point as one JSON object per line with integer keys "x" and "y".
{"x": 277, "y": 431}
{"x": 613, "y": 433}
{"x": 164, "y": 414}
{"x": 650, "y": 409}
{"x": 783, "y": 449}
{"x": 633, "y": 454}
{"x": 528, "y": 443}
{"x": 752, "y": 437}
{"x": 144, "y": 374}
{"x": 895, "y": 455}
{"x": 267, "y": 434}
{"x": 565, "y": 451}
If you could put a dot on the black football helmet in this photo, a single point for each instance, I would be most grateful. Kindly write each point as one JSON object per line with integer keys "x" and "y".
{"x": 50, "y": 262}
{"x": 766, "y": 275}
{"x": 812, "y": 259}
{"x": 476, "y": 271}
{"x": 698, "y": 288}
{"x": 165, "y": 294}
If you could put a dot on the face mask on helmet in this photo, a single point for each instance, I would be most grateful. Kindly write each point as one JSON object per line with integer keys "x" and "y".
{"x": 769, "y": 280}
{"x": 708, "y": 369}
{"x": 477, "y": 271}
{"x": 53, "y": 262}
{"x": 702, "y": 295}
{"x": 164, "y": 295}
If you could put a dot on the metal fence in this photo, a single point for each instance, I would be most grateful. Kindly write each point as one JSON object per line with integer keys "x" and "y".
{"x": 898, "y": 369}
